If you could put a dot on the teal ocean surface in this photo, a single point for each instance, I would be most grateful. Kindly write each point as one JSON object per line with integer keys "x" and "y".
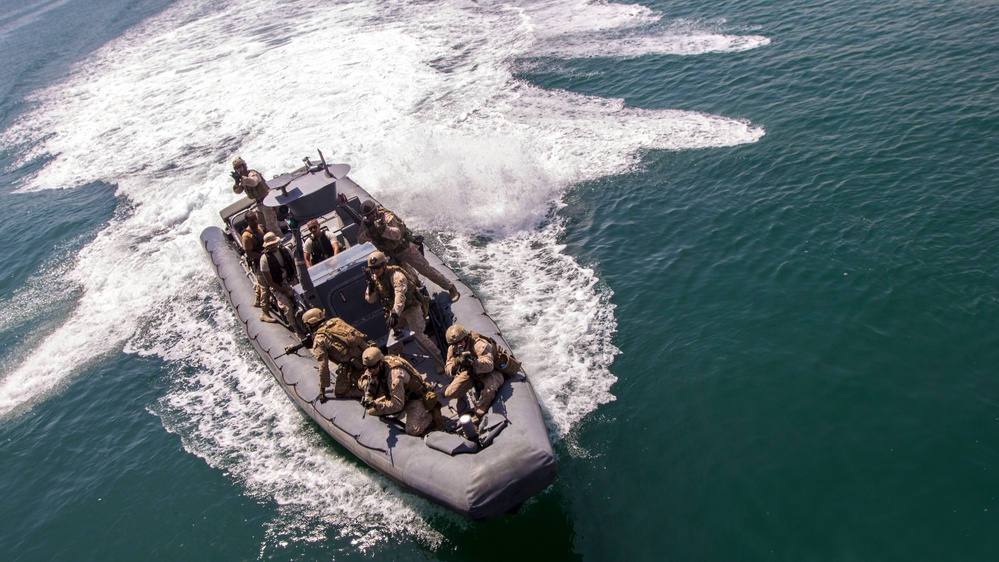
{"x": 747, "y": 250}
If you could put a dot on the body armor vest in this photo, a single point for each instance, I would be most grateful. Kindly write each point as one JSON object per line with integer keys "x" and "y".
{"x": 388, "y": 245}
{"x": 503, "y": 360}
{"x": 278, "y": 273}
{"x": 414, "y": 387}
{"x": 259, "y": 191}
{"x": 322, "y": 248}
{"x": 386, "y": 293}
{"x": 351, "y": 341}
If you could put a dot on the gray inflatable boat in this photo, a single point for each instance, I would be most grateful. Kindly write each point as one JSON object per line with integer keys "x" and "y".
{"x": 479, "y": 474}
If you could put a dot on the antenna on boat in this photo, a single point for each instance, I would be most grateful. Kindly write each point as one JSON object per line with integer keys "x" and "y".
{"x": 326, "y": 169}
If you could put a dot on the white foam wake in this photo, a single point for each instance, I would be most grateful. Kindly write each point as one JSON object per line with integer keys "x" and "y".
{"x": 425, "y": 107}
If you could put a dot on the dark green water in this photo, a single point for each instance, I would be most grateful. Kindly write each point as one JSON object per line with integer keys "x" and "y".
{"x": 807, "y": 326}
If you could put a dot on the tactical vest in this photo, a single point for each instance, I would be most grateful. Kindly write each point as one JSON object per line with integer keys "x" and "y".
{"x": 280, "y": 274}
{"x": 387, "y": 245}
{"x": 503, "y": 360}
{"x": 386, "y": 293}
{"x": 350, "y": 339}
{"x": 414, "y": 387}
{"x": 258, "y": 247}
{"x": 322, "y": 248}
{"x": 259, "y": 191}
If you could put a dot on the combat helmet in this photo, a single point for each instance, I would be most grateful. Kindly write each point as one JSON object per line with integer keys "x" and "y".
{"x": 368, "y": 207}
{"x": 377, "y": 258}
{"x": 372, "y": 356}
{"x": 313, "y": 316}
{"x": 238, "y": 163}
{"x": 455, "y": 334}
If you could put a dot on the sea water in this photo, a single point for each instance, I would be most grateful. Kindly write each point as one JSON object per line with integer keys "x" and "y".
{"x": 746, "y": 250}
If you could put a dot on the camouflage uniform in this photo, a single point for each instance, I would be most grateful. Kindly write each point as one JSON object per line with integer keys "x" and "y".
{"x": 482, "y": 370}
{"x": 393, "y": 241}
{"x": 253, "y": 245}
{"x": 400, "y": 389}
{"x": 341, "y": 342}
{"x": 256, "y": 188}
{"x": 398, "y": 294}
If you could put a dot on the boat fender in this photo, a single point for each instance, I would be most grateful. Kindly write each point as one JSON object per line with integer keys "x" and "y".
{"x": 450, "y": 443}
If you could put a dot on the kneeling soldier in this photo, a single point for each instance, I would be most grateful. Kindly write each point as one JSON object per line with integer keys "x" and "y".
{"x": 392, "y": 385}
{"x": 471, "y": 361}
{"x": 337, "y": 340}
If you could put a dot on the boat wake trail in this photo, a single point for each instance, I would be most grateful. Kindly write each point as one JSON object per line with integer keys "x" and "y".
{"x": 427, "y": 110}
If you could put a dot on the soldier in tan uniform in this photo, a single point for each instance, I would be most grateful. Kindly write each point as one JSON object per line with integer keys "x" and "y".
{"x": 401, "y": 299}
{"x": 337, "y": 340}
{"x": 391, "y": 236}
{"x": 471, "y": 361}
{"x": 253, "y": 184}
{"x": 396, "y": 386}
{"x": 253, "y": 245}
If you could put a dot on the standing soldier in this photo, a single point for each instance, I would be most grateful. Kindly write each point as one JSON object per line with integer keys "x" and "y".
{"x": 337, "y": 340}
{"x": 253, "y": 184}
{"x": 278, "y": 271}
{"x": 253, "y": 245}
{"x": 392, "y": 385}
{"x": 401, "y": 299}
{"x": 389, "y": 234}
{"x": 471, "y": 361}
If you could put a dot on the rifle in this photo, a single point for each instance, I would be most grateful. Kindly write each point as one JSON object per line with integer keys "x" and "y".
{"x": 369, "y": 393}
{"x": 236, "y": 179}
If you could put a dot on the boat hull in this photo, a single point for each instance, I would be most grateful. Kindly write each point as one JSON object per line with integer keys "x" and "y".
{"x": 516, "y": 465}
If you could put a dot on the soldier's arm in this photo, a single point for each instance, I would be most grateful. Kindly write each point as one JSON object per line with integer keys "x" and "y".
{"x": 307, "y": 252}
{"x": 392, "y": 231}
{"x": 334, "y": 244}
{"x": 257, "y": 179}
{"x": 396, "y": 399}
{"x": 266, "y": 273}
{"x": 362, "y": 234}
{"x": 370, "y": 296}
{"x": 399, "y": 283}
{"x": 451, "y": 365}
{"x": 319, "y": 352}
{"x": 484, "y": 357}
{"x": 248, "y": 247}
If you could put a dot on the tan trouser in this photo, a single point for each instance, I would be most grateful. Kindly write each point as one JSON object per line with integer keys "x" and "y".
{"x": 267, "y": 216}
{"x": 347, "y": 383}
{"x": 413, "y": 261}
{"x": 413, "y": 319}
{"x": 418, "y": 418}
{"x": 462, "y": 383}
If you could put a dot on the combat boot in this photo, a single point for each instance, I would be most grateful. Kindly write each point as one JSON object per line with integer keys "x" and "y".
{"x": 455, "y": 295}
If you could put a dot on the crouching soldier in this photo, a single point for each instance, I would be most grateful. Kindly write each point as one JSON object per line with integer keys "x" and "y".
{"x": 392, "y": 385}
{"x": 471, "y": 362}
{"x": 337, "y": 340}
